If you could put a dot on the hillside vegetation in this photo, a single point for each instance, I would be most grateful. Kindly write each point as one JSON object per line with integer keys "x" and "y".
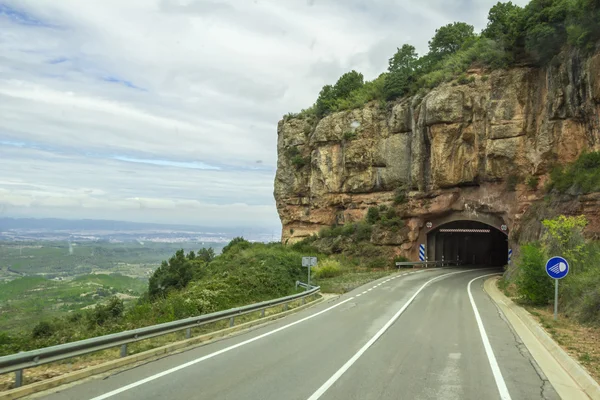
{"x": 564, "y": 235}
{"x": 514, "y": 35}
{"x": 190, "y": 284}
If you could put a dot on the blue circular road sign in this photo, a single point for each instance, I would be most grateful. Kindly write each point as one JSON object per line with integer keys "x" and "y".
{"x": 557, "y": 267}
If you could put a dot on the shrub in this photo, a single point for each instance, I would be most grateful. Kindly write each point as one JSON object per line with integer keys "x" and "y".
{"x": 372, "y": 215}
{"x": 533, "y": 182}
{"x": 43, "y": 329}
{"x": 511, "y": 182}
{"x": 533, "y": 284}
{"x": 463, "y": 79}
{"x": 485, "y": 78}
{"x": 400, "y": 196}
{"x": 298, "y": 161}
{"x": 399, "y": 259}
{"x": 349, "y": 135}
{"x": 328, "y": 269}
{"x": 580, "y": 177}
{"x": 363, "y": 232}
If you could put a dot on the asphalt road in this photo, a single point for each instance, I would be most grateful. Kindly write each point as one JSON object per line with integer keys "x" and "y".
{"x": 371, "y": 343}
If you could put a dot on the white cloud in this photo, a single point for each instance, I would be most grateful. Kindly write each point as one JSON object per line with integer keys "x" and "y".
{"x": 158, "y": 110}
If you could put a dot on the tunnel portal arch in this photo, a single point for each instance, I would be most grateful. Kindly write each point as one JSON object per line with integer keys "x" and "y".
{"x": 477, "y": 242}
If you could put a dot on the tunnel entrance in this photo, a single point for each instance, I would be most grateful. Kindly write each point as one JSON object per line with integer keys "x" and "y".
{"x": 469, "y": 242}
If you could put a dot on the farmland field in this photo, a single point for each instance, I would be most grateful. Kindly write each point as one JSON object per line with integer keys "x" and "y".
{"x": 39, "y": 280}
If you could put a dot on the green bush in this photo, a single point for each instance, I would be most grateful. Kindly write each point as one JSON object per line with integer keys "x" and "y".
{"x": 400, "y": 196}
{"x": 328, "y": 269}
{"x": 580, "y": 177}
{"x": 349, "y": 135}
{"x": 463, "y": 79}
{"x": 533, "y": 283}
{"x": 372, "y": 215}
{"x": 299, "y": 161}
{"x": 511, "y": 182}
{"x": 533, "y": 182}
{"x": 363, "y": 232}
{"x": 42, "y": 330}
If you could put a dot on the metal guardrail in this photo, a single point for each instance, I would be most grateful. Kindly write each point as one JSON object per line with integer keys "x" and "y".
{"x": 20, "y": 361}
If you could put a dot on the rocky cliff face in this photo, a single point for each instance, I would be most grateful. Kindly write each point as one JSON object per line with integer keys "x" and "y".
{"x": 452, "y": 148}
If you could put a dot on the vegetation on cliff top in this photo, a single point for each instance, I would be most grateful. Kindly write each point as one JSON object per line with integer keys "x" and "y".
{"x": 533, "y": 34}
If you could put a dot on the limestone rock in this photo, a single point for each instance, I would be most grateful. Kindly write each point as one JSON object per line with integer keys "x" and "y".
{"x": 454, "y": 146}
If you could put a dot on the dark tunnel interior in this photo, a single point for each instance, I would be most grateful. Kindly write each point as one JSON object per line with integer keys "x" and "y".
{"x": 471, "y": 243}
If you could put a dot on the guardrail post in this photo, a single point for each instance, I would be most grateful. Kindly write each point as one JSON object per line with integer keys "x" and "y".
{"x": 231, "y": 321}
{"x": 124, "y": 350}
{"x": 18, "y": 378}
{"x": 188, "y": 333}
{"x": 303, "y": 300}
{"x": 285, "y": 307}
{"x": 262, "y": 313}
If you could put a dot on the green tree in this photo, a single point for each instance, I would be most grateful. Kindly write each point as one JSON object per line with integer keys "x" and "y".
{"x": 545, "y": 28}
{"x": 206, "y": 255}
{"x": 325, "y": 102}
{"x": 505, "y": 25}
{"x": 373, "y": 215}
{"x": 533, "y": 284}
{"x": 174, "y": 274}
{"x": 401, "y": 72}
{"x": 450, "y": 38}
{"x": 564, "y": 237}
{"x": 583, "y": 29}
{"x": 348, "y": 83}
{"x": 237, "y": 243}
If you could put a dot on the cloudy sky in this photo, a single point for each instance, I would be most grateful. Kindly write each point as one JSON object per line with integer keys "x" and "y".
{"x": 166, "y": 110}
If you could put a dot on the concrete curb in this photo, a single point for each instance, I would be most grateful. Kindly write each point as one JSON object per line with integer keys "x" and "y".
{"x": 577, "y": 374}
{"x": 173, "y": 348}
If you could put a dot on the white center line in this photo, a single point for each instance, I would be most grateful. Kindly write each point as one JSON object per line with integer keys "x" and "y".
{"x": 320, "y": 391}
{"x": 211, "y": 355}
{"x": 504, "y": 395}
{"x": 369, "y": 290}
{"x": 358, "y": 295}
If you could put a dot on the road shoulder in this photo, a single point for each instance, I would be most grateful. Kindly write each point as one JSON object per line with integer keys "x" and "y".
{"x": 569, "y": 379}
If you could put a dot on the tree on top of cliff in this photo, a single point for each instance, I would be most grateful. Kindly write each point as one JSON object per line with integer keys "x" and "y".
{"x": 450, "y": 38}
{"x": 533, "y": 34}
{"x": 401, "y": 72}
{"x": 330, "y": 95}
{"x": 504, "y": 25}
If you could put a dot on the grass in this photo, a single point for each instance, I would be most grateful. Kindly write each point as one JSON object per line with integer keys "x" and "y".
{"x": 580, "y": 341}
{"x": 26, "y": 301}
{"x": 52, "y": 370}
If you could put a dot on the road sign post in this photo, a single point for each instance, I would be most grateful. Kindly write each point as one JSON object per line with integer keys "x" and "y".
{"x": 309, "y": 262}
{"x": 557, "y": 268}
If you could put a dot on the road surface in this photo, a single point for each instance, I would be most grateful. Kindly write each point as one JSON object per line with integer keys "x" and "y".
{"x": 415, "y": 336}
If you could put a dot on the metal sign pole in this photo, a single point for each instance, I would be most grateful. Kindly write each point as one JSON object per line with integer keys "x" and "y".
{"x": 308, "y": 276}
{"x": 556, "y": 299}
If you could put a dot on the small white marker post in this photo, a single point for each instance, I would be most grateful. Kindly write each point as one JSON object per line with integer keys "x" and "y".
{"x": 309, "y": 262}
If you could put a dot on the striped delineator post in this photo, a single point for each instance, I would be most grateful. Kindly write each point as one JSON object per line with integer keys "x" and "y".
{"x": 422, "y": 252}
{"x": 509, "y": 256}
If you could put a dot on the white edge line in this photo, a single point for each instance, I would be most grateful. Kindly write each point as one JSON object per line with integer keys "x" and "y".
{"x": 320, "y": 391}
{"x": 211, "y": 355}
{"x": 504, "y": 394}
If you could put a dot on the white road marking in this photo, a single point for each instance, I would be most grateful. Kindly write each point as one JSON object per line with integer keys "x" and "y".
{"x": 211, "y": 355}
{"x": 369, "y": 290}
{"x": 320, "y": 391}
{"x": 504, "y": 395}
{"x": 364, "y": 292}
{"x": 358, "y": 295}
